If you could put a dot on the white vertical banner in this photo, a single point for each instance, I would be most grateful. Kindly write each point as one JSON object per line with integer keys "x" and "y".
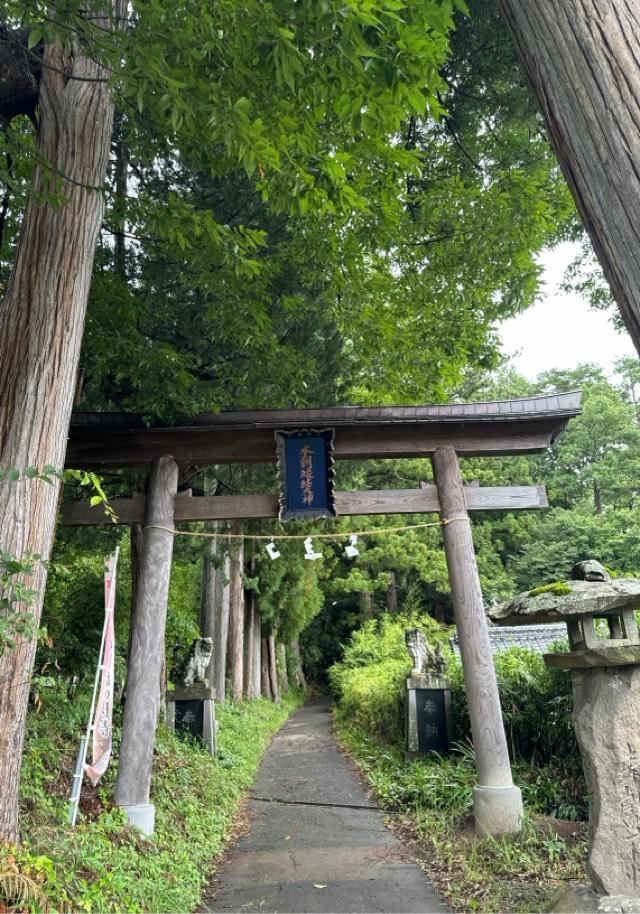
{"x": 102, "y": 722}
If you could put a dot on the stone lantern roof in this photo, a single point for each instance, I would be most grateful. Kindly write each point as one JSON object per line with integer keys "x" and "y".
{"x": 588, "y": 596}
{"x": 566, "y": 599}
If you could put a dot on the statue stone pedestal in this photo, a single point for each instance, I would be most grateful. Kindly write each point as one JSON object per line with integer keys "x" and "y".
{"x": 429, "y": 724}
{"x": 191, "y": 711}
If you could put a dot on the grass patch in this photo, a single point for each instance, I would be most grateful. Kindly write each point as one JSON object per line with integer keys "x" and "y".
{"x": 103, "y": 864}
{"x": 433, "y": 798}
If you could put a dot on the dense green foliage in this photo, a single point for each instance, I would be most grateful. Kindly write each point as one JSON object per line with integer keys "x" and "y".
{"x": 288, "y": 590}
{"x": 370, "y": 679}
{"x": 271, "y": 239}
{"x": 304, "y": 203}
{"x": 370, "y": 686}
{"x": 104, "y": 865}
{"x": 73, "y": 612}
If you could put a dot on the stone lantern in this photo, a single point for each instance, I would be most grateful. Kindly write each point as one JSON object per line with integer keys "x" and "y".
{"x": 604, "y": 660}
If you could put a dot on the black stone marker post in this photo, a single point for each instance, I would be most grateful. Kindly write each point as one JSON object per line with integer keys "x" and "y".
{"x": 429, "y": 717}
{"x": 190, "y": 712}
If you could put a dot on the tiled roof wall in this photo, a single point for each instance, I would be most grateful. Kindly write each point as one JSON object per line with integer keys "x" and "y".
{"x": 535, "y": 637}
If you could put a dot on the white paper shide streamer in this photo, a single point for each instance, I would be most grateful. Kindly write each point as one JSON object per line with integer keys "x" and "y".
{"x": 309, "y": 551}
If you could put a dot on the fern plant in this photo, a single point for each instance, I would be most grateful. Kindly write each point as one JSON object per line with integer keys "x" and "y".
{"x": 17, "y": 890}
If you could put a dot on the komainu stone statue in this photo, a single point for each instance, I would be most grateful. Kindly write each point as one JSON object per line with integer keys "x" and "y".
{"x": 425, "y": 659}
{"x": 417, "y": 646}
{"x": 194, "y": 666}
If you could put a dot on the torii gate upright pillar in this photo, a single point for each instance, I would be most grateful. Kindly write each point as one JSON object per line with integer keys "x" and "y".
{"x": 497, "y": 803}
{"x": 147, "y": 649}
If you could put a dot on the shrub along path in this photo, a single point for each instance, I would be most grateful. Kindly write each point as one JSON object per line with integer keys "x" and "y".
{"x": 317, "y": 842}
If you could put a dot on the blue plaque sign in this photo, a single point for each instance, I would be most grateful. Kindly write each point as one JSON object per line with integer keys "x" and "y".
{"x": 305, "y": 460}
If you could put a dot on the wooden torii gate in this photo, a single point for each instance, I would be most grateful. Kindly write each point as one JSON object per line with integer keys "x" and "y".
{"x": 101, "y": 441}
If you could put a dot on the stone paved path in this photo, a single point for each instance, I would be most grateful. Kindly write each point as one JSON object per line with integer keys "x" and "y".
{"x": 317, "y": 842}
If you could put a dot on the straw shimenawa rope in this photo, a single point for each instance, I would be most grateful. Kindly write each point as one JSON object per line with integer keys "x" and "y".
{"x": 338, "y": 534}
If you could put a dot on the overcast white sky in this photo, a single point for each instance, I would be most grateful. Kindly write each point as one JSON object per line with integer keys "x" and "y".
{"x": 560, "y": 330}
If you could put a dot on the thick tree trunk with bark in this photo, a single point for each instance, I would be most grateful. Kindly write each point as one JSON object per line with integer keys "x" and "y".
{"x": 273, "y": 668}
{"x": 208, "y": 598}
{"x": 221, "y": 634}
{"x": 597, "y": 496}
{"x": 257, "y": 651}
{"x": 365, "y": 599}
{"x": 265, "y": 677}
{"x": 249, "y": 622}
{"x": 214, "y": 610}
{"x": 236, "y": 619}
{"x": 301, "y": 680}
{"x": 283, "y": 677}
{"x": 41, "y": 325}
{"x": 250, "y": 602}
{"x": 582, "y": 61}
{"x": 392, "y": 593}
{"x": 119, "y": 239}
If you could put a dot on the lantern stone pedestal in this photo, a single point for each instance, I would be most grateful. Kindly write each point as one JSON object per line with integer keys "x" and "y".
{"x": 604, "y": 662}
{"x": 605, "y": 716}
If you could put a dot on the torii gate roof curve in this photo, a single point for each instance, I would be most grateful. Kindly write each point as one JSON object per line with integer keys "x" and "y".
{"x": 495, "y": 428}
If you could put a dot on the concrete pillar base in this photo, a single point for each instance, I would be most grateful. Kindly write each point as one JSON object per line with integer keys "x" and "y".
{"x": 142, "y": 816}
{"x": 497, "y": 810}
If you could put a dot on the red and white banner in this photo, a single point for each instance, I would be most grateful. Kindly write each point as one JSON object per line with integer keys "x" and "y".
{"x": 103, "y": 717}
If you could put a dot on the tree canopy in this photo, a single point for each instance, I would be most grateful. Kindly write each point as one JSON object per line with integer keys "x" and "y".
{"x": 312, "y": 210}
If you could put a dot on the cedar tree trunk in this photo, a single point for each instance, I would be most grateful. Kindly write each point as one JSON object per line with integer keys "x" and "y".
{"x": 392, "y": 593}
{"x": 211, "y": 608}
{"x": 249, "y": 613}
{"x": 41, "y": 325}
{"x": 365, "y": 599}
{"x": 221, "y": 633}
{"x": 265, "y": 678}
{"x": 301, "y": 680}
{"x": 582, "y": 61}
{"x": 257, "y": 640}
{"x": 250, "y": 600}
{"x": 236, "y": 618}
{"x": 281, "y": 662}
{"x": 273, "y": 668}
